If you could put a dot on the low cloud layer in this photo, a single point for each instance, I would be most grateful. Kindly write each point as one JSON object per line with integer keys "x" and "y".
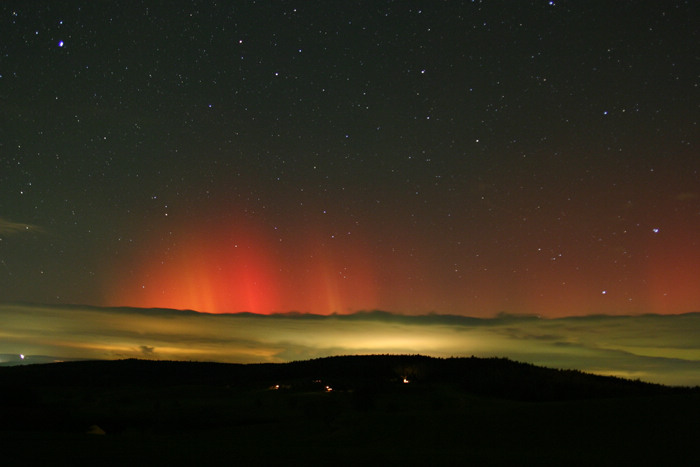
{"x": 657, "y": 348}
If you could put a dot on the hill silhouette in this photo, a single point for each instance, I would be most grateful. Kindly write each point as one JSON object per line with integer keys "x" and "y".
{"x": 494, "y": 377}
{"x": 341, "y": 409}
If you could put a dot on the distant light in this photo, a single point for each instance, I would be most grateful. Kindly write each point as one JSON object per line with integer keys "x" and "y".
{"x": 329, "y": 389}
{"x": 21, "y": 356}
{"x": 604, "y": 292}
{"x": 60, "y": 43}
{"x": 655, "y": 230}
{"x": 406, "y": 381}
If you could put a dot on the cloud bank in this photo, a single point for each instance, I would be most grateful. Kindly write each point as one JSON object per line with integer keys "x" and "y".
{"x": 656, "y": 348}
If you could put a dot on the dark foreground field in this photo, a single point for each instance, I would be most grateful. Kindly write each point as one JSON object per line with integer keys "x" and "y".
{"x": 340, "y": 411}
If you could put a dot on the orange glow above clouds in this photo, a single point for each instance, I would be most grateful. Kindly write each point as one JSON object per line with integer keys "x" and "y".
{"x": 239, "y": 267}
{"x": 323, "y": 266}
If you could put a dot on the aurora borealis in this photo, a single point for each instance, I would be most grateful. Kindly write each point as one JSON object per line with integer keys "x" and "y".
{"x": 460, "y": 158}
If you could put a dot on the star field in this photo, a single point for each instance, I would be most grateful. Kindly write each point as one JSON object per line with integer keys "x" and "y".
{"x": 460, "y": 157}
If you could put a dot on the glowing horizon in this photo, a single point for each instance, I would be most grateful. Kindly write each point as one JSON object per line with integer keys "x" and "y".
{"x": 239, "y": 265}
{"x": 655, "y": 348}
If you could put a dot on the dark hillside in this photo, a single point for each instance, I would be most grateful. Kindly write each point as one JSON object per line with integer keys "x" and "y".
{"x": 380, "y": 409}
{"x": 493, "y": 377}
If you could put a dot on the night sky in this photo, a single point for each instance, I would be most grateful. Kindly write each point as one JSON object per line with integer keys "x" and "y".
{"x": 469, "y": 158}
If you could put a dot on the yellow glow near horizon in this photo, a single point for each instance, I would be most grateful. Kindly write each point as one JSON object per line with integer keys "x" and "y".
{"x": 616, "y": 346}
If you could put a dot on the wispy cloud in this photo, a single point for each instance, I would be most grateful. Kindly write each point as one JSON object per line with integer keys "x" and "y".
{"x": 651, "y": 347}
{"x": 8, "y": 227}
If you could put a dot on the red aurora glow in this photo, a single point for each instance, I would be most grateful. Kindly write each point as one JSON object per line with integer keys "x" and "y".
{"x": 323, "y": 266}
{"x": 239, "y": 268}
